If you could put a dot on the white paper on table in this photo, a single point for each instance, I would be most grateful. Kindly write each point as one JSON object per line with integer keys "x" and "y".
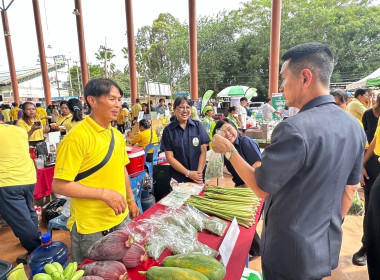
{"x": 140, "y": 116}
{"x": 229, "y": 242}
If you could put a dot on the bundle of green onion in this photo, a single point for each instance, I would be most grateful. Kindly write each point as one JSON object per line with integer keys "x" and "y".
{"x": 228, "y": 203}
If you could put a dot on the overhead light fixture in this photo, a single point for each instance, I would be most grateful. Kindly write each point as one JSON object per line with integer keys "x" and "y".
{"x": 76, "y": 12}
{"x": 7, "y": 33}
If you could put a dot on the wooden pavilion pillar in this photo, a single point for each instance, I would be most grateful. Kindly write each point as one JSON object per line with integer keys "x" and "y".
{"x": 193, "y": 50}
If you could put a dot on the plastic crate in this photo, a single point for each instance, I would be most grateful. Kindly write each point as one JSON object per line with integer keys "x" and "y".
{"x": 5, "y": 268}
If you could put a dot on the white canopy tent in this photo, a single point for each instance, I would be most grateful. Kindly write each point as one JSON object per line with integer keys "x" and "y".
{"x": 363, "y": 82}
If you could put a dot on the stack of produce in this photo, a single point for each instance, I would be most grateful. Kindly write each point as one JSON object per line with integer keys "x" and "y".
{"x": 55, "y": 271}
{"x": 228, "y": 203}
{"x": 187, "y": 267}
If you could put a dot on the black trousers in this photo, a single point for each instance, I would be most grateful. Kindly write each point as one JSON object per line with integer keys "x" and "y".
{"x": 120, "y": 127}
{"x": 16, "y": 208}
{"x": 373, "y": 231}
{"x": 373, "y": 170}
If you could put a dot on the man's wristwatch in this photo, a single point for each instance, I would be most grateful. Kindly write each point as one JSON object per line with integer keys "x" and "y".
{"x": 230, "y": 153}
{"x": 130, "y": 199}
{"x": 188, "y": 173}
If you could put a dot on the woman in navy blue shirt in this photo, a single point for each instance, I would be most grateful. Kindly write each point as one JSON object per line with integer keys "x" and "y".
{"x": 249, "y": 150}
{"x": 184, "y": 142}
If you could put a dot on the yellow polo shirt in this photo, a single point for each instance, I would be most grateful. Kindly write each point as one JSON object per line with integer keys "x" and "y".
{"x": 83, "y": 148}
{"x": 63, "y": 120}
{"x": 6, "y": 113}
{"x": 13, "y": 113}
{"x": 41, "y": 112}
{"x": 37, "y": 134}
{"x": 135, "y": 110}
{"x": 142, "y": 138}
{"x": 71, "y": 124}
{"x": 16, "y": 166}
{"x": 356, "y": 109}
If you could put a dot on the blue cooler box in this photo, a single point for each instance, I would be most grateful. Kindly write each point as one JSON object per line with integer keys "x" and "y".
{"x": 5, "y": 268}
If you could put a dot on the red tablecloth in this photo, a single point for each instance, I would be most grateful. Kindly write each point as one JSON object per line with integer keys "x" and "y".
{"x": 239, "y": 255}
{"x": 44, "y": 180}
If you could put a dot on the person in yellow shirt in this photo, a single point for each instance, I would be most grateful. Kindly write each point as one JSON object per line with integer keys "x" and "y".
{"x": 17, "y": 182}
{"x": 41, "y": 113}
{"x": 358, "y": 104}
{"x": 101, "y": 199}
{"x": 123, "y": 116}
{"x": 14, "y": 112}
{"x": 32, "y": 124}
{"x": 145, "y": 137}
{"x": 76, "y": 110}
{"x": 6, "y": 112}
{"x": 64, "y": 118}
{"x": 136, "y": 109}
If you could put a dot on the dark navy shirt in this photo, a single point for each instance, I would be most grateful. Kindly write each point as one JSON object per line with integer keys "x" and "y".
{"x": 312, "y": 157}
{"x": 185, "y": 145}
{"x": 249, "y": 150}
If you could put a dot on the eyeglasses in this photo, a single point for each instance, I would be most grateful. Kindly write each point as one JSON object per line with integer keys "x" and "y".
{"x": 182, "y": 108}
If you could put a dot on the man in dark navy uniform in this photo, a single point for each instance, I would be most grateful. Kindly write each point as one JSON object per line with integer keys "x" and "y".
{"x": 184, "y": 142}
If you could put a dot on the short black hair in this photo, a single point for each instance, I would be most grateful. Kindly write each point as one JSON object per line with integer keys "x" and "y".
{"x": 341, "y": 94}
{"x": 314, "y": 56}
{"x": 244, "y": 99}
{"x": 63, "y": 102}
{"x": 267, "y": 99}
{"x": 98, "y": 87}
{"x": 180, "y": 99}
{"x": 360, "y": 91}
{"x": 161, "y": 99}
{"x": 137, "y": 100}
{"x": 14, "y": 104}
{"x": 144, "y": 123}
{"x": 231, "y": 109}
{"x": 38, "y": 104}
{"x": 222, "y": 122}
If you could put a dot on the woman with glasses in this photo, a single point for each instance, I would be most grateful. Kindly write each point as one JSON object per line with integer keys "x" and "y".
{"x": 184, "y": 142}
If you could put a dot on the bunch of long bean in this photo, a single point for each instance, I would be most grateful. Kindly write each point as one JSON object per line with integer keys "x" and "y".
{"x": 228, "y": 203}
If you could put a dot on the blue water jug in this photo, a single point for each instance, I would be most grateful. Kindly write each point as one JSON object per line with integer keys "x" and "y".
{"x": 48, "y": 252}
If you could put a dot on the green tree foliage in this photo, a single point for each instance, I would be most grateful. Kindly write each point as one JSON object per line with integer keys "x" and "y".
{"x": 104, "y": 56}
{"x": 233, "y": 48}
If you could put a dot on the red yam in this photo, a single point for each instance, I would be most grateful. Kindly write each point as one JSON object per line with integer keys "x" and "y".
{"x": 134, "y": 256}
{"x": 111, "y": 247}
{"x": 108, "y": 270}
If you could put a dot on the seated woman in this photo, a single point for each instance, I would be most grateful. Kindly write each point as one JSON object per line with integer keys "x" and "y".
{"x": 249, "y": 150}
{"x": 76, "y": 110}
{"x": 184, "y": 142}
{"x": 32, "y": 124}
{"x": 145, "y": 137}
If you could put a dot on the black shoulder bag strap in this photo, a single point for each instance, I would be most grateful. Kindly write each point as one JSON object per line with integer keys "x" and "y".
{"x": 92, "y": 170}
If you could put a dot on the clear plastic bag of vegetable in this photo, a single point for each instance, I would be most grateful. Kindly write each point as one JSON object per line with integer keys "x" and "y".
{"x": 155, "y": 246}
{"x": 174, "y": 199}
{"x": 214, "y": 167}
{"x": 194, "y": 217}
{"x": 215, "y": 225}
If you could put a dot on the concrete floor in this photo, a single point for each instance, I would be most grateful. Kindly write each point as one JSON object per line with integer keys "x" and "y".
{"x": 10, "y": 247}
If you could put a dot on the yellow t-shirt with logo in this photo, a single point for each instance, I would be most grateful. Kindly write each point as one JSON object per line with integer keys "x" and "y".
{"x": 142, "y": 138}
{"x": 13, "y": 113}
{"x": 16, "y": 166}
{"x": 41, "y": 113}
{"x": 37, "y": 134}
{"x": 83, "y": 148}
{"x": 63, "y": 120}
{"x": 122, "y": 114}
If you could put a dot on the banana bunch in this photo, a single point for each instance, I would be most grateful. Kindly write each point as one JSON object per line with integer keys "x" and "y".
{"x": 55, "y": 271}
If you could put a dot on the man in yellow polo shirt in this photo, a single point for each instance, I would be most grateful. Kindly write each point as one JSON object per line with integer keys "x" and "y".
{"x": 14, "y": 112}
{"x": 17, "y": 182}
{"x": 136, "y": 109}
{"x": 101, "y": 201}
{"x": 357, "y": 105}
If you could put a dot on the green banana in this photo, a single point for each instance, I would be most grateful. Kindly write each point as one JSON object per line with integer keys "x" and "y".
{"x": 77, "y": 275}
{"x": 50, "y": 268}
{"x": 57, "y": 276}
{"x": 58, "y": 266}
{"x": 69, "y": 271}
{"x": 42, "y": 276}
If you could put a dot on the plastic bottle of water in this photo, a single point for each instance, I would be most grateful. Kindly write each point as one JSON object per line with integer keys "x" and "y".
{"x": 48, "y": 252}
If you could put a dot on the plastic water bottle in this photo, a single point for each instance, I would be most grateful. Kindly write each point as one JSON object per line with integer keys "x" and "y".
{"x": 48, "y": 252}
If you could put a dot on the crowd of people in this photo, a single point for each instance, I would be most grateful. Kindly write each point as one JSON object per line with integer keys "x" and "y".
{"x": 307, "y": 175}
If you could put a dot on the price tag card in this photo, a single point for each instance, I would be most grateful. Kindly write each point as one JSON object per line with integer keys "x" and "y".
{"x": 229, "y": 242}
